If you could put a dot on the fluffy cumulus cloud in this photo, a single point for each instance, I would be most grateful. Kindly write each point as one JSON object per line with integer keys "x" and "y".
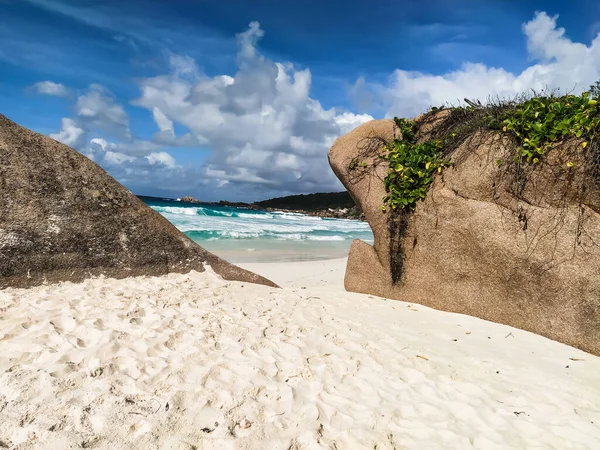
{"x": 559, "y": 64}
{"x": 51, "y": 88}
{"x": 100, "y": 130}
{"x": 265, "y": 131}
{"x": 98, "y": 110}
{"x": 97, "y": 113}
{"x": 69, "y": 134}
{"x": 162, "y": 158}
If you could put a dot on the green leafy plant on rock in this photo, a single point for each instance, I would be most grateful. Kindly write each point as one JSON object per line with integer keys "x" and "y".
{"x": 542, "y": 121}
{"x": 412, "y": 167}
{"x": 534, "y": 125}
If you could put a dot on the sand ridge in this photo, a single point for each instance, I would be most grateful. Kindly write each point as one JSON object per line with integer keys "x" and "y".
{"x": 192, "y": 361}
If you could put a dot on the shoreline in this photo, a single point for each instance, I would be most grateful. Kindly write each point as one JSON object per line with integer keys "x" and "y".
{"x": 188, "y": 360}
{"x": 244, "y": 236}
{"x": 315, "y": 274}
{"x": 343, "y": 213}
{"x": 256, "y": 251}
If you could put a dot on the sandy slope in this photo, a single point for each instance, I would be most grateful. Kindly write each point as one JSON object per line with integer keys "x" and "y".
{"x": 191, "y": 361}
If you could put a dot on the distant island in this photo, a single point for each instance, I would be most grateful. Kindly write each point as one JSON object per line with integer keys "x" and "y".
{"x": 338, "y": 205}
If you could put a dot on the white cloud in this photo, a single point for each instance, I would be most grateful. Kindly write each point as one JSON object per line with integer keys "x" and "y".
{"x": 98, "y": 109}
{"x": 98, "y": 115}
{"x": 183, "y": 65}
{"x": 100, "y": 142}
{"x": 560, "y": 64}
{"x": 135, "y": 148}
{"x": 51, "y": 88}
{"x": 70, "y": 134}
{"x": 162, "y": 158}
{"x": 163, "y": 122}
{"x": 138, "y": 164}
{"x": 167, "y": 131}
{"x": 140, "y": 167}
{"x": 240, "y": 174}
{"x": 117, "y": 158}
{"x": 262, "y": 125}
{"x": 248, "y": 40}
{"x": 348, "y": 121}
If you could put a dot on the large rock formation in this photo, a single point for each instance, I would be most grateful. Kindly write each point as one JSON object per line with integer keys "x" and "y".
{"x": 473, "y": 246}
{"x": 63, "y": 218}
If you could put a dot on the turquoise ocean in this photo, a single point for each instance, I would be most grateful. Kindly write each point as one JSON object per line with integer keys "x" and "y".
{"x": 245, "y": 235}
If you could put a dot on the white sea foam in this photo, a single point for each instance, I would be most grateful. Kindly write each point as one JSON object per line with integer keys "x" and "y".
{"x": 206, "y": 223}
{"x": 255, "y": 216}
{"x": 326, "y": 238}
{"x": 176, "y": 210}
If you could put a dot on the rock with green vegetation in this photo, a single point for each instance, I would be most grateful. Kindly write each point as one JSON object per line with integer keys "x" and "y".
{"x": 489, "y": 211}
{"x": 63, "y": 218}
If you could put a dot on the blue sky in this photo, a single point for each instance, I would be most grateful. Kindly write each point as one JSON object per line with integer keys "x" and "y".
{"x": 240, "y": 100}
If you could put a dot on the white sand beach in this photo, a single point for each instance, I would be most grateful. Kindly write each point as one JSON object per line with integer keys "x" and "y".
{"x": 195, "y": 362}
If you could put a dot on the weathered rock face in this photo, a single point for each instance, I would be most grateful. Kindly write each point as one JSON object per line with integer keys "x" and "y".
{"x": 530, "y": 261}
{"x": 63, "y": 218}
{"x": 190, "y": 199}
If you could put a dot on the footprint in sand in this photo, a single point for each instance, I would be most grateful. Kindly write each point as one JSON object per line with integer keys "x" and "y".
{"x": 97, "y": 372}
